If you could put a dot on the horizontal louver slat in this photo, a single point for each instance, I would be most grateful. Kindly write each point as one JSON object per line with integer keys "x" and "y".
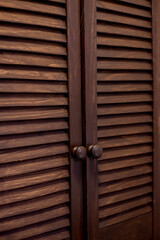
{"x": 124, "y": 109}
{"x": 35, "y": 188}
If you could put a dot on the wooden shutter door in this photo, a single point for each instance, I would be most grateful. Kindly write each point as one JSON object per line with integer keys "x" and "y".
{"x": 38, "y": 97}
{"x": 117, "y": 49}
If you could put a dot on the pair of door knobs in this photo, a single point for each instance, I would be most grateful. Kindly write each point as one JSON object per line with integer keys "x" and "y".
{"x": 94, "y": 151}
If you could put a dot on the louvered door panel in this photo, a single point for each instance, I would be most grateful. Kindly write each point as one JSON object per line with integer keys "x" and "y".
{"x": 124, "y": 97}
{"x": 34, "y": 123}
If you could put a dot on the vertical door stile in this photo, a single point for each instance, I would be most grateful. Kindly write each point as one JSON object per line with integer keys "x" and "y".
{"x": 75, "y": 118}
{"x": 156, "y": 89}
{"x": 89, "y": 73}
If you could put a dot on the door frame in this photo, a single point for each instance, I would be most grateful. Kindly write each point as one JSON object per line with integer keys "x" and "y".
{"x": 75, "y": 117}
{"x": 156, "y": 117}
{"x": 89, "y": 80}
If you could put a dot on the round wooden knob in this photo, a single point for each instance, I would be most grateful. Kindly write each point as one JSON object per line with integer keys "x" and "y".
{"x": 79, "y": 153}
{"x": 95, "y": 151}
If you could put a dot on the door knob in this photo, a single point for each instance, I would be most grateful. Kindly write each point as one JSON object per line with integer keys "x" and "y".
{"x": 79, "y": 153}
{"x": 95, "y": 151}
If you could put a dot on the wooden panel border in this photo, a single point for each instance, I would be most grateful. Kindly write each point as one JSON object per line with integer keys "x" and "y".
{"x": 139, "y": 228}
{"x": 89, "y": 80}
{"x": 75, "y": 116}
{"x": 156, "y": 121}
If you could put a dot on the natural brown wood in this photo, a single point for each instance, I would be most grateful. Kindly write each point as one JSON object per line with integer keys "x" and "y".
{"x": 30, "y": 33}
{"x": 89, "y": 70}
{"x": 156, "y": 86}
{"x": 124, "y": 76}
{"x": 36, "y": 7}
{"x": 124, "y": 130}
{"x": 123, "y": 173}
{"x": 123, "y": 30}
{"x": 114, "y": 6}
{"x": 136, "y": 228}
{"x": 124, "y": 119}
{"x": 124, "y": 162}
{"x": 30, "y": 46}
{"x": 31, "y": 19}
{"x": 75, "y": 118}
{"x": 117, "y": 18}
{"x": 129, "y": 215}
{"x": 123, "y": 42}
{"x": 34, "y": 154}
{"x": 124, "y": 54}
{"x": 124, "y": 97}
{"x": 25, "y": 220}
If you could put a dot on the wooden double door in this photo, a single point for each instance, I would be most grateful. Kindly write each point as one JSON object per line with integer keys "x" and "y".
{"x": 79, "y": 119}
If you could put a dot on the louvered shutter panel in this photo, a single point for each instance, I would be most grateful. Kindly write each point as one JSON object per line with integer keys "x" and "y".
{"x": 124, "y": 98}
{"x": 34, "y": 123}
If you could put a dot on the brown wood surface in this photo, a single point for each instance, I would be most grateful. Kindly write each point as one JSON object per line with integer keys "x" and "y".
{"x": 138, "y": 228}
{"x": 35, "y": 200}
{"x": 89, "y": 70}
{"x": 156, "y": 85}
{"x": 124, "y": 117}
{"x": 75, "y": 117}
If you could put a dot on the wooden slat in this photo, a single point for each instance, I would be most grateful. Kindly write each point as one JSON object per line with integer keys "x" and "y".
{"x": 125, "y": 76}
{"x": 123, "y": 196}
{"x": 131, "y": 21}
{"x": 10, "y": 170}
{"x": 126, "y": 216}
{"x": 124, "y": 54}
{"x": 125, "y": 140}
{"x": 122, "y": 30}
{"x": 115, "y": 6}
{"x": 33, "y": 205}
{"x": 124, "y": 119}
{"x": 124, "y": 184}
{"x": 29, "y": 114}
{"x": 37, "y": 217}
{"x": 125, "y": 64}
{"x": 123, "y": 42}
{"x": 32, "y": 139}
{"x": 124, "y": 109}
{"x": 56, "y": 235}
{"x": 32, "y": 60}
{"x": 31, "y": 19}
{"x": 124, "y": 97}
{"x": 122, "y": 174}
{"x": 126, "y": 152}
{"x": 33, "y": 152}
{"x": 143, "y": 3}
{"x": 35, "y": 47}
{"x": 124, "y": 87}
{"x": 33, "y": 192}
{"x": 14, "y": 86}
{"x": 31, "y": 33}
{"x": 124, "y": 206}
{"x": 30, "y": 192}
{"x": 38, "y": 229}
{"x": 7, "y": 128}
{"x": 49, "y": 74}
{"x": 34, "y": 7}
{"x": 124, "y": 130}
{"x": 124, "y": 163}
{"x": 30, "y": 100}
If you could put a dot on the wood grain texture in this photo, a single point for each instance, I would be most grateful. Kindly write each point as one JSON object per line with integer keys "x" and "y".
{"x": 75, "y": 118}
{"x": 136, "y": 228}
{"x": 34, "y": 153}
{"x": 125, "y": 113}
{"x": 89, "y": 71}
{"x": 156, "y": 86}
